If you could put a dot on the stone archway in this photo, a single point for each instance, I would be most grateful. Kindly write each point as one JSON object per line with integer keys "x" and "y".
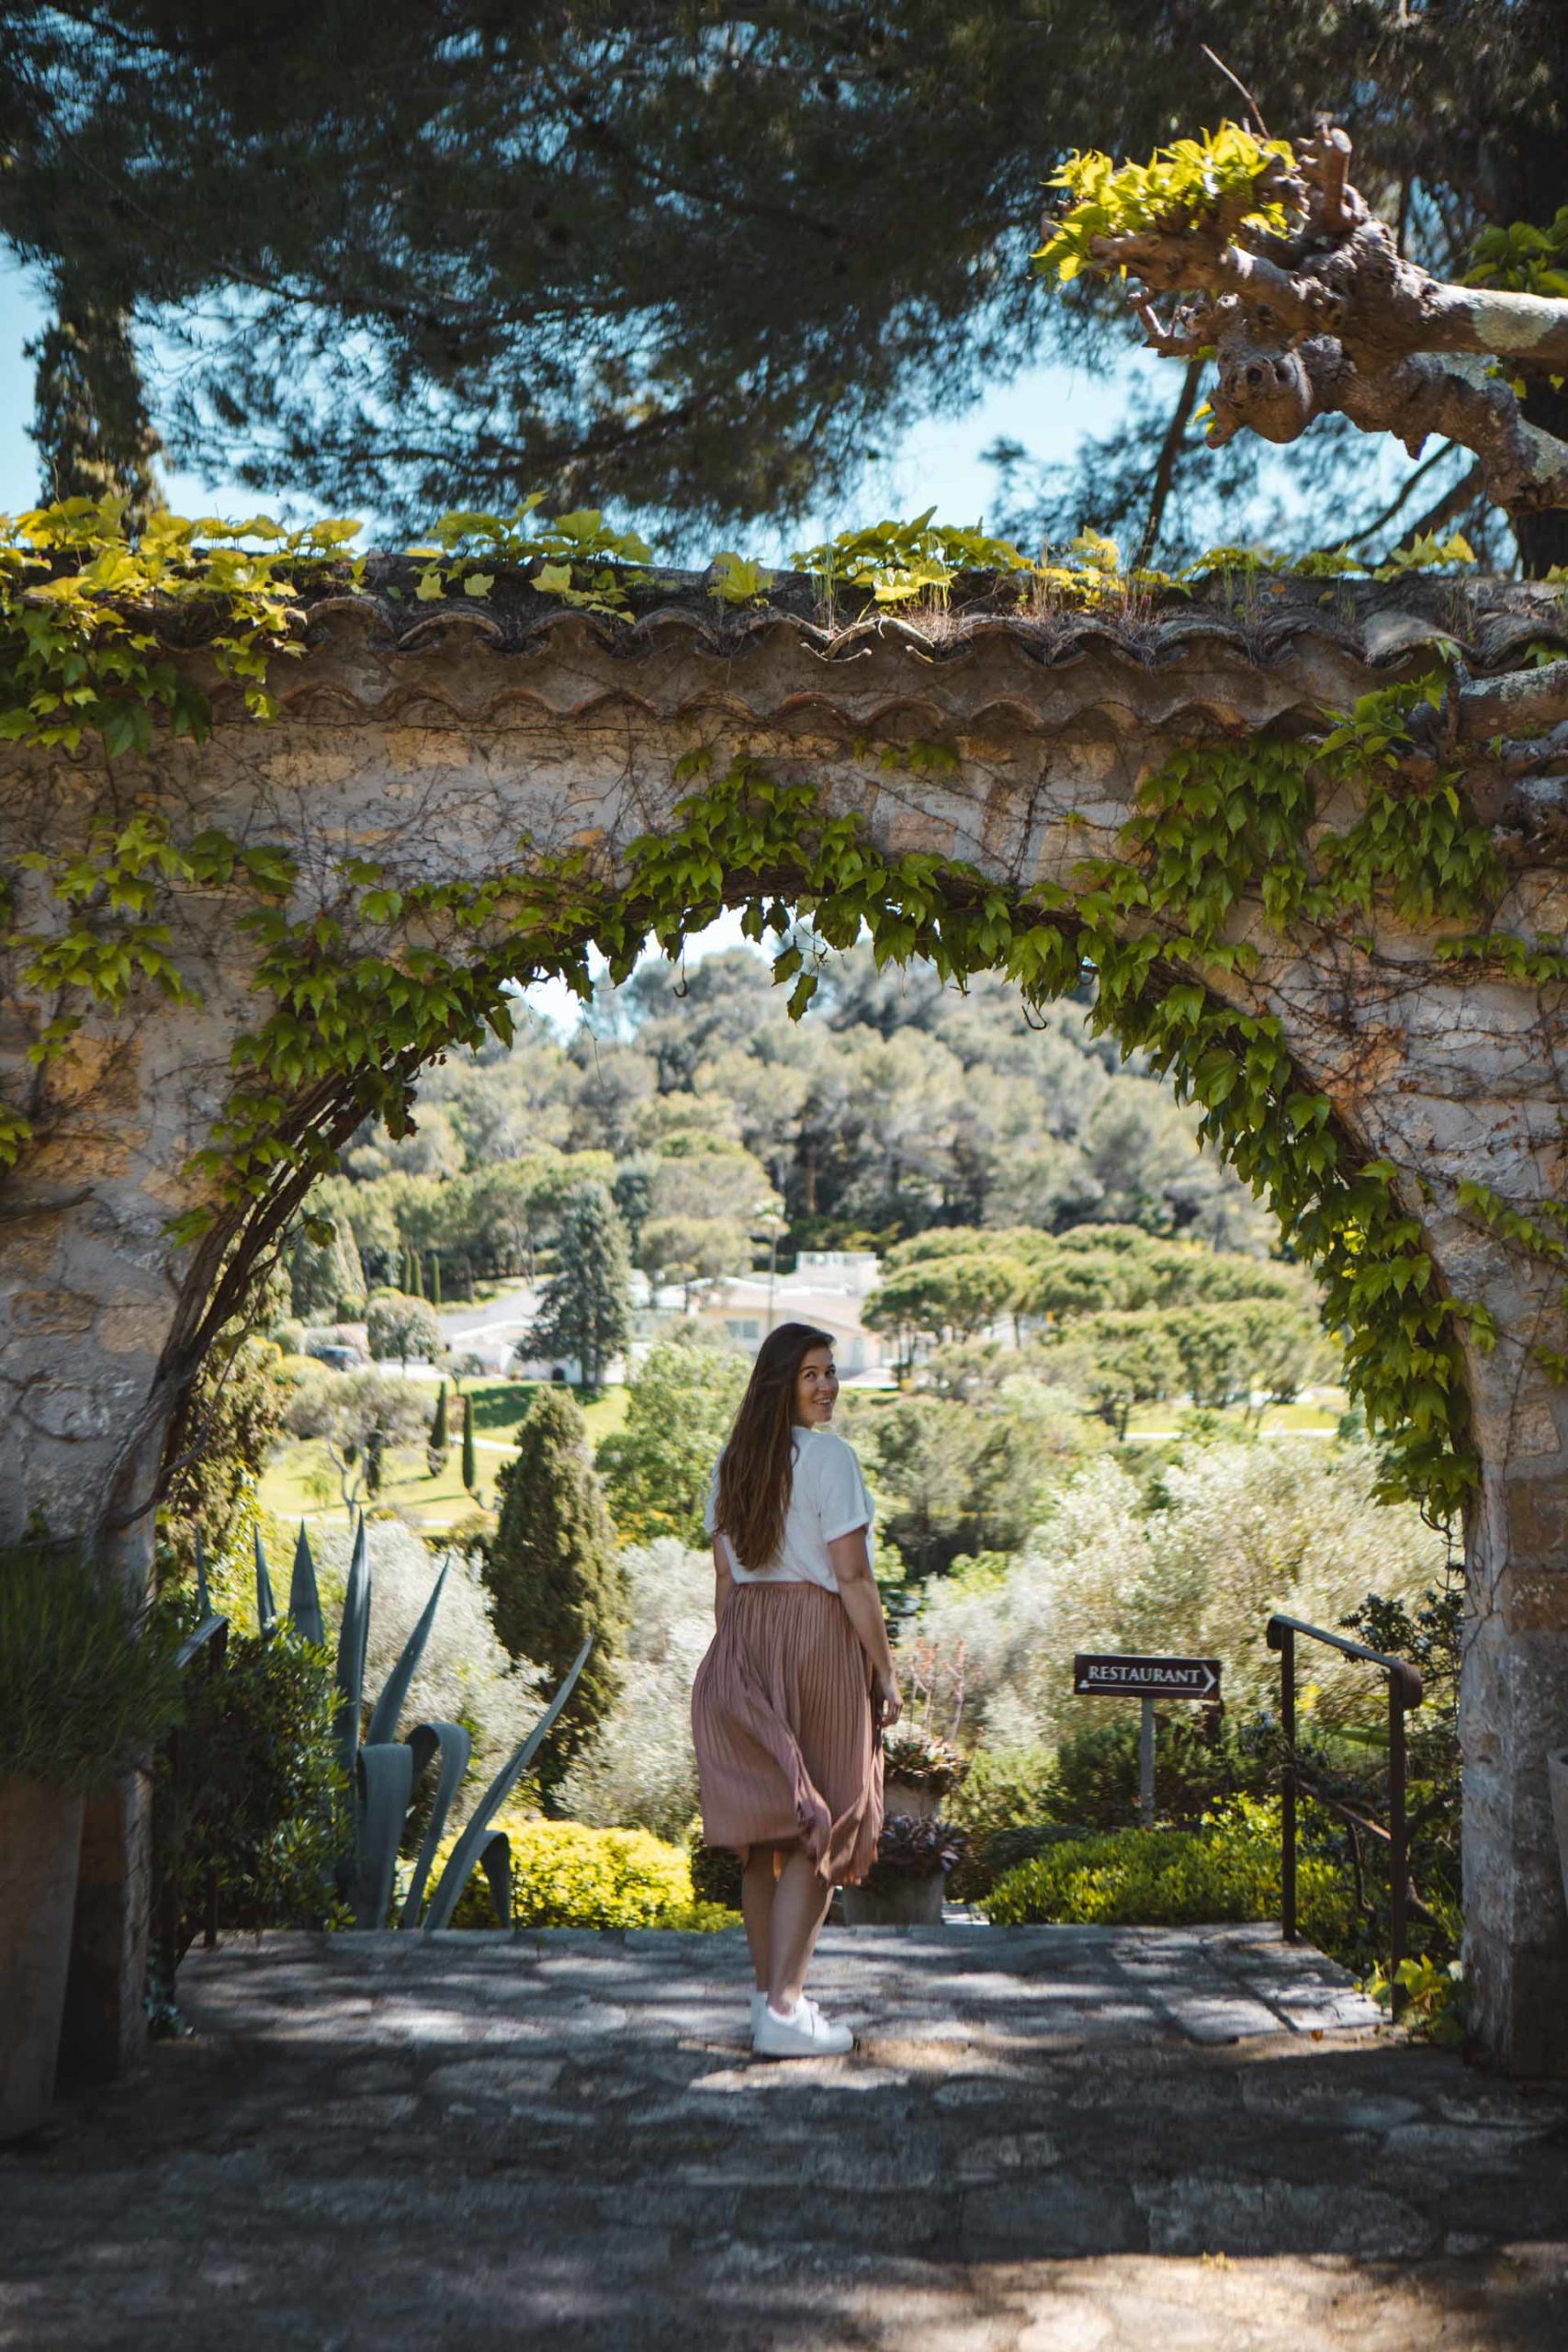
{"x": 433, "y": 745}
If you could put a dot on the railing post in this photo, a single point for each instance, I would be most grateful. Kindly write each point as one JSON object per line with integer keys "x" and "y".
{"x": 1288, "y": 1790}
{"x": 1399, "y": 1842}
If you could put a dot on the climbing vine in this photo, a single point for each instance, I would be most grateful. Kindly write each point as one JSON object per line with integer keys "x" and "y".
{"x": 382, "y": 974}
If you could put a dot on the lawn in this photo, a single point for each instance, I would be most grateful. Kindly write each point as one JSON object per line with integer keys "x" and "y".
{"x": 300, "y": 1483}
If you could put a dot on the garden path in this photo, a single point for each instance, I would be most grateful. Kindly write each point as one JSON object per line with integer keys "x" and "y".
{"x": 1049, "y": 2139}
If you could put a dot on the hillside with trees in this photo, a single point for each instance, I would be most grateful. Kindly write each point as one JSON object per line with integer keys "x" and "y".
{"x": 895, "y": 1109}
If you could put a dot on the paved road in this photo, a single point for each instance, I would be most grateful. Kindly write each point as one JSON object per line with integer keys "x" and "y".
{"x": 1051, "y": 2139}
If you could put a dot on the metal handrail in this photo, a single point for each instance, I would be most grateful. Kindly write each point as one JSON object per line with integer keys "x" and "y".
{"x": 1404, "y": 1693}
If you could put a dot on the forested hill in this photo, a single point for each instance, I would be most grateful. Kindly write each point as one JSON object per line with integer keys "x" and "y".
{"x": 896, "y": 1105}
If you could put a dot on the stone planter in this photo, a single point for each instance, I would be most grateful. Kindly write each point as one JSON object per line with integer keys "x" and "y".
{"x": 905, "y": 1899}
{"x": 1557, "y": 1779}
{"x": 911, "y": 1799}
{"x": 41, "y": 1840}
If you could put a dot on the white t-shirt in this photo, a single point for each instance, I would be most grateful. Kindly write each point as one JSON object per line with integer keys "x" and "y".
{"x": 828, "y": 1498}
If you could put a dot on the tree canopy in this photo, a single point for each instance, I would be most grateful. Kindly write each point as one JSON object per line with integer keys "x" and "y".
{"x": 700, "y": 259}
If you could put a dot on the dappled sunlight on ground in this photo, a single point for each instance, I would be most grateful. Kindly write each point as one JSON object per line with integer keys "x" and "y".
{"x": 1048, "y": 2139}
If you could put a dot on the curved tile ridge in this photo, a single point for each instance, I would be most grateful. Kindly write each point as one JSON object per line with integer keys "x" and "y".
{"x": 1256, "y": 613}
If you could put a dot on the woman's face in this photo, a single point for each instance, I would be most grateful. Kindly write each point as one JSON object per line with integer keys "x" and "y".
{"x": 816, "y": 1388}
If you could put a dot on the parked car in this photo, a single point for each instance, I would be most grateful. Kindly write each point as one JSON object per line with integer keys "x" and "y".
{"x": 336, "y": 1357}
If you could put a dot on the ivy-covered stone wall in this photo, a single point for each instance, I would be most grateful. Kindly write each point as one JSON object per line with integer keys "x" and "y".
{"x": 224, "y": 950}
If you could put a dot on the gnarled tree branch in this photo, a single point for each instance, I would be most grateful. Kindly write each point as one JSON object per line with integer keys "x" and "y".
{"x": 1331, "y": 318}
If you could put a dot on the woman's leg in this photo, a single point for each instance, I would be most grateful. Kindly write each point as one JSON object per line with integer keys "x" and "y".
{"x": 757, "y": 1883}
{"x": 800, "y": 1906}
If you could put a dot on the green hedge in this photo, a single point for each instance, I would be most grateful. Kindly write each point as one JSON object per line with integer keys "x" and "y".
{"x": 1228, "y": 1868}
{"x": 564, "y": 1875}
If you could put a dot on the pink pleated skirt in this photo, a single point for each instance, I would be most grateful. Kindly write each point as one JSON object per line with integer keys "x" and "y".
{"x": 781, "y": 1721}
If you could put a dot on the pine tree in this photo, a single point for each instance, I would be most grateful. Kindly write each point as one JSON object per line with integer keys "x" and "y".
{"x": 470, "y": 1460}
{"x": 582, "y": 1309}
{"x": 551, "y": 1565}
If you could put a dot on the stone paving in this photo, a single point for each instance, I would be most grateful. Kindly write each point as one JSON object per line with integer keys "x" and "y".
{"x": 1049, "y": 2140}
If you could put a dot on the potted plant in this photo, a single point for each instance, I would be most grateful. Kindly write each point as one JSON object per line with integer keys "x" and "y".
{"x": 918, "y": 1769}
{"x": 88, "y": 1684}
{"x": 907, "y": 1881}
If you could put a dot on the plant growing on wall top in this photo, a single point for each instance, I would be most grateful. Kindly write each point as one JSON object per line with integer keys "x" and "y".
{"x": 1285, "y": 277}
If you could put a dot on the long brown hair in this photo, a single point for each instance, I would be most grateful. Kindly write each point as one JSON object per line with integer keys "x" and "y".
{"x": 756, "y": 1469}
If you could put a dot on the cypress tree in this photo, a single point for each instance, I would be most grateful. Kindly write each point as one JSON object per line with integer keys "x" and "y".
{"x": 470, "y": 1461}
{"x": 416, "y": 1274}
{"x": 436, "y": 1280}
{"x": 582, "y": 1307}
{"x": 439, "y": 1440}
{"x": 551, "y": 1566}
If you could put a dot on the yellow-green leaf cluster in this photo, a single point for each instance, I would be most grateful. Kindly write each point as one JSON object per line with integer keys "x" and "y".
{"x": 1228, "y": 169}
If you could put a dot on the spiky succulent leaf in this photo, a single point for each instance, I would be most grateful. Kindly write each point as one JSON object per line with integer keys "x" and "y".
{"x": 495, "y": 1860}
{"x": 353, "y": 1636}
{"x": 389, "y": 1706}
{"x": 384, "y": 1782}
{"x": 455, "y": 1747}
{"x": 304, "y": 1595}
{"x": 213, "y": 1627}
{"x": 266, "y": 1607}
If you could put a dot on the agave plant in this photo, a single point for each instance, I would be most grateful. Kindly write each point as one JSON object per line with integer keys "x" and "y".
{"x": 384, "y": 1771}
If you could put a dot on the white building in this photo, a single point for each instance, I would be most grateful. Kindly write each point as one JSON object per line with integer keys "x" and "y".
{"x": 827, "y": 1287}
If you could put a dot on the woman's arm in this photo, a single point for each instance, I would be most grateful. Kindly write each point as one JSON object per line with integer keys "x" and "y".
{"x": 862, "y": 1605}
{"x": 723, "y": 1582}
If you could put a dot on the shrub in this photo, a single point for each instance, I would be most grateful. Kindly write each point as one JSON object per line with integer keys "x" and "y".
{"x": 1004, "y": 1787}
{"x": 1003, "y": 1805}
{"x": 679, "y": 1404}
{"x": 399, "y": 1325}
{"x": 1095, "y": 1780}
{"x": 565, "y": 1875}
{"x": 255, "y": 1798}
{"x": 641, "y": 1771}
{"x": 88, "y": 1682}
{"x": 716, "y": 1873}
{"x": 1228, "y": 1868}
{"x": 1195, "y": 1563}
{"x": 990, "y": 1858}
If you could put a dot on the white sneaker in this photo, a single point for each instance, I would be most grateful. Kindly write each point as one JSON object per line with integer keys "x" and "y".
{"x": 805, "y": 2034}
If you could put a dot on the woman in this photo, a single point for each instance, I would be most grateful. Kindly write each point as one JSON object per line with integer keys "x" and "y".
{"x": 789, "y": 1703}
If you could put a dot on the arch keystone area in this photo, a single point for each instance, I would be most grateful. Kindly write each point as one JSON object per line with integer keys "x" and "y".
{"x": 484, "y": 793}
